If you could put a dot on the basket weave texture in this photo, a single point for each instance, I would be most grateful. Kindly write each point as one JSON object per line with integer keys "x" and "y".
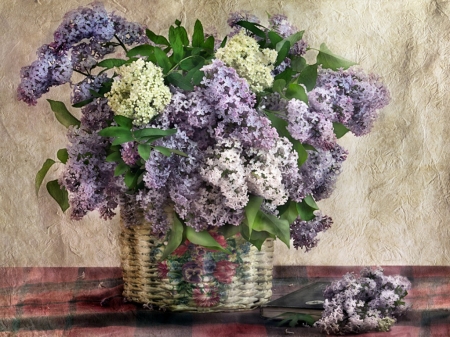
{"x": 194, "y": 278}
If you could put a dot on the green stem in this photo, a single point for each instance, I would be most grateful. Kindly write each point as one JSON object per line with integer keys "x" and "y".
{"x": 121, "y": 43}
{"x": 80, "y": 72}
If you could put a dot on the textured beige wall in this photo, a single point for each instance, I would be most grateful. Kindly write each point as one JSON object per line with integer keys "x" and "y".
{"x": 391, "y": 205}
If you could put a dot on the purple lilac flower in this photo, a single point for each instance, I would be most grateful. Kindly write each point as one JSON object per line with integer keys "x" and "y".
{"x": 372, "y": 301}
{"x": 234, "y": 103}
{"x": 81, "y": 90}
{"x": 349, "y": 97}
{"x": 81, "y": 40}
{"x": 240, "y": 16}
{"x": 88, "y": 177}
{"x": 309, "y": 126}
{"x": 86, "y": 55}
{"x": 280, "y": 24}
{"x": 84, "y": 23}
{"x": 129, "y": 32}
{"x": 96, "y": 115}
{"x": 304, "y": 233}
{"x": 53, "y": 67}
{"x": 129, "y": 153}
{"x": 321, "y": 169}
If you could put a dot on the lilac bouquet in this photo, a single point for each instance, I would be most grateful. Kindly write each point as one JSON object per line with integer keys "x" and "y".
{"x": 196, "y": 134}
{"x": 372, "y": 301}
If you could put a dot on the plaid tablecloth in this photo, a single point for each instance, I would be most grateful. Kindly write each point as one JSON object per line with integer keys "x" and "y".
{"x": 88, "y": 302}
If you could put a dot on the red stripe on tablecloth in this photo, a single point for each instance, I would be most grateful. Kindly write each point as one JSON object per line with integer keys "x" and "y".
{"x": 109, "y": 331}
{"x": 339, "y": 271}
{"x": 396, "y": 331}
{"x": 101, "y": 273}
{"x": 44, "y": 333}
{"x": 440, "y": 330}
{"x": 227, "y": 330}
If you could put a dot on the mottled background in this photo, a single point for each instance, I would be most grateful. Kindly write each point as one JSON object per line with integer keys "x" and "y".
{"x": 391, "y": 205}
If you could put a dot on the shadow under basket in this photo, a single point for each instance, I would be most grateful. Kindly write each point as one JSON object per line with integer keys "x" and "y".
{"x": 194, "y": 278}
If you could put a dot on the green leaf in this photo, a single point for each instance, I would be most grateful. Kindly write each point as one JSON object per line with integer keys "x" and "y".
{"x": 252, "y": 27}
{"x": 204, "y": 239}
{"x": 144, "y": 151}
{"x": 311, "y": 202}
{"x": 301, "y": 152}
{"x": 142, "y": 50}
{"x": 283, "y": 52}
{"x": 62, "y": 114}
{"x": 175, "y": 237}
{"x": 130, "y": 179}
{"x": 288, "y": 211}
{"x": 178, "y": 50}
{"x": 279, "y": 85}
{"x": 340, "y": 130}
{"x": 274, "y": 39}
{"x": 257, "y": 238}
{"x": 122, "y": 139}
{"x": 305, "y": 210}
{"x": 95, "y": 93}
{"x": 139, "y": 134}
{"x": 111, "y": 63}
{"x": 251, "y": 210}
{"x": 83, "y": 103}
{"x": 296, "y": 91}
{"x": 62, "y": 155}
{"x": 308, "y": 77}
{"x": 157, "y": 39}
{"x": 180, "y": 81}
{"x": 168, "y": 151}
{"x": 162, "y": 60}
{"x": 179, "y": 32}
{"x": 121, "y": 168}
{"x": 115, "y": 131}
{"x": 114, "y": 157}
{"x": 285, "y": 75}
{"x": 309, "y": 147}
{"x": 59, "y": 194}
{"x": 209, "y": 43}
{"x": 292, "y": 39}
{"x": 105, "y": 87}
{"x": 298, "y": 64}
{"x": 192, "y": 62}
{"x": 41, "y": 174}
{"x": 270, "y": 223}
{"x": 229, "y": 230}
{"x": 328, "y": 60}
{"x": 224, "y": 42}
{"x": 123, "y": 121}
{"x": 195, "y": 76}
{"x": 198, "y": 36}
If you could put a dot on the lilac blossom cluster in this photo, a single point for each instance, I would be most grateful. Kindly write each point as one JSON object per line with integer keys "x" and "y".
{"x": 304, "y": 233}
{"x": 233, "y": 151}
{"x": 349, "y": 97}
{"x": 230, "y": 148}
{"x": 88, "y": 177}
{"x": 82, "y": 39}
{"x": 280, "y": 24}
{"x": 373, "y": 301}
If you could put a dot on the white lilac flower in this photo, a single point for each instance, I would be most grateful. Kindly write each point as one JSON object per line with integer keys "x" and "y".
{"x": 139, "y": 92}
{"x": 252, "y": 63}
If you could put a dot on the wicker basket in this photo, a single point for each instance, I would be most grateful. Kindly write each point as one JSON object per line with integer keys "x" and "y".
{"x": 194, "y": 278}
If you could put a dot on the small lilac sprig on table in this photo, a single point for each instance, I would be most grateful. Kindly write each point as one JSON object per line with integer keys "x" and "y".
{"x": 370, "y": 302}
{"x": 197, "y": 135}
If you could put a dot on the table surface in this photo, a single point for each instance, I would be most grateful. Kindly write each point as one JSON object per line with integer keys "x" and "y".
{"x": 88, "y": 302}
